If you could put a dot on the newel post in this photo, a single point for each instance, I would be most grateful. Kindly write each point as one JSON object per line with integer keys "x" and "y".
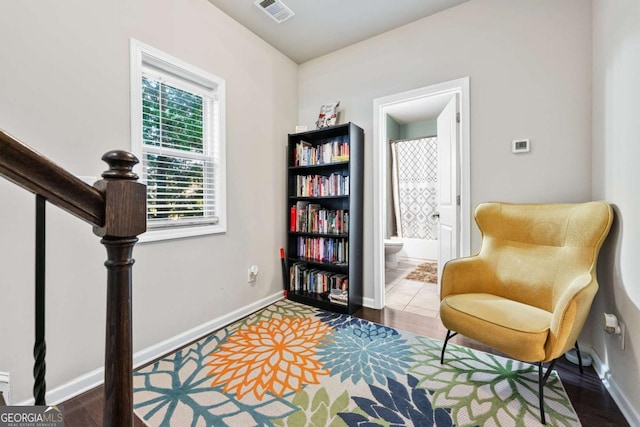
{"x": 124, "y": 220}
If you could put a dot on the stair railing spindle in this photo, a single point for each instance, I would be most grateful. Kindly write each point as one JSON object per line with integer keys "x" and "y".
{"x": 40, "y": 346}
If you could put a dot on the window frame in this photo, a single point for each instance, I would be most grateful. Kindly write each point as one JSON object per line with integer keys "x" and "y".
{"x": 146, "y": 57}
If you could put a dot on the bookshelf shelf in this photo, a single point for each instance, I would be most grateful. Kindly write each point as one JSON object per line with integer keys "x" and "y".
{"x": 317, "y": 197}
{"x": 325, "y": 210}
{"x": 303, "y": 233}
{"x": 317, "y": 300}
{"x": 327, "y": 265}
{"x": 335, "y": 165}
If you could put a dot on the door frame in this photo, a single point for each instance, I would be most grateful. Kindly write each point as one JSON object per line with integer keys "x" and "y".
{"x": 380, "y": 105}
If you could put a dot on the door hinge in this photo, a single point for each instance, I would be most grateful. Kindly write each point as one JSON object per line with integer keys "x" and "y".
{"x": 457, "y": 117}
{"x": 458, "y": 200}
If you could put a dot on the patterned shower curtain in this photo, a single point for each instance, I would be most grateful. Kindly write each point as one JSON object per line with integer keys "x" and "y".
{"x": 415, "y": 187}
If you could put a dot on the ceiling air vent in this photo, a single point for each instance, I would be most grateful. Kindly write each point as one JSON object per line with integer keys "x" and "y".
{"x": 275, "y": 9}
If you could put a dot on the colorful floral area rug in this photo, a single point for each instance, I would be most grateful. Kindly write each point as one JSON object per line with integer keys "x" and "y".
{"x": 294, "y": 365}
{"x": 426, "y": 272}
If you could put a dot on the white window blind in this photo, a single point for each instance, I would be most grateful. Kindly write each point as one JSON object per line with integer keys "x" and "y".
{"x": 178, "y": 164}
{"x": 179, "y": 134}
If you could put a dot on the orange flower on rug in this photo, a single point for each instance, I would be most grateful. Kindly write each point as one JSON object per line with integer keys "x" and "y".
{"x": 274, "y": 356}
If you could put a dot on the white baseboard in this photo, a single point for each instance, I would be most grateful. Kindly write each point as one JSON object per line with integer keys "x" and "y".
{"x": 368, "y": 302}
{"x": 94, "y": 378}
{"x": 154, "y": 352}
{"x": 626, "y": 407}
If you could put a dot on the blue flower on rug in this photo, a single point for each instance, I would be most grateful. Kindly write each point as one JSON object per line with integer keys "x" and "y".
{"x": 337, "y": 321}
{"x": 400, "y": 405}
{"x": 365, "y": 351}
{"x": 180, "y": 381}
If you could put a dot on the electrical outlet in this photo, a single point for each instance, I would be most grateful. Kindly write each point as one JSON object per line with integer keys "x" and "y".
{"x": 4, "y": 386}
{"x": 623, "y": 330}
{"x": 252, "y": 273}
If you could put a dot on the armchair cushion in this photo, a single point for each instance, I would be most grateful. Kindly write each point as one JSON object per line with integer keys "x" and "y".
{"x": 517, "y": 329}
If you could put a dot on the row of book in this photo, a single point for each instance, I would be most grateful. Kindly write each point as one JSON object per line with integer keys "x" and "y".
{"x": 308, "y": 217}
{"x": 324, "y": 249}
{"x": 307, "y": 154}
{"x": 320, "y": 185}
{"x": 303, "y": 278}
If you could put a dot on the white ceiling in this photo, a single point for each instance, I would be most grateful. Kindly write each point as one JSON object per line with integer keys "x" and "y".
{"x": 322, "y": 26}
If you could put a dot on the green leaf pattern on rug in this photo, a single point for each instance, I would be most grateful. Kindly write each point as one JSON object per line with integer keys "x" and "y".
{"x": 318, "y": 411}
{"x": 482, "y": 389}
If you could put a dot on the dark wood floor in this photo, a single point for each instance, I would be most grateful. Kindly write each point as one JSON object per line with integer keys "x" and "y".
{"x": 85, "y": 410}
{"x": 589, "y": 397}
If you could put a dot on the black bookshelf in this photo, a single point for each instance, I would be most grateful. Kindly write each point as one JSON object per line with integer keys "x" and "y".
{"x": 316, "y": 162}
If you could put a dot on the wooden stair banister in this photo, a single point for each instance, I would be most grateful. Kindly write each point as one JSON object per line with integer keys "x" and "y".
{"x": 37, "y": 174}
{"x": 124, "y": 219}
{"x": 116, "y": 207}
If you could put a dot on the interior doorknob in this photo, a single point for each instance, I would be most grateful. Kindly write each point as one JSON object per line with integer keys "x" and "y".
{"x": 435, "y": 215}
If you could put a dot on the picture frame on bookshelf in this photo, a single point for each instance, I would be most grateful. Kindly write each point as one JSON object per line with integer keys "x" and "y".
{"x": 328, "y": 115}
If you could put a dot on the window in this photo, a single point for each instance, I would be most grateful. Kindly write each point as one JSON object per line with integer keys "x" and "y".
{"x": 178, "y": 135}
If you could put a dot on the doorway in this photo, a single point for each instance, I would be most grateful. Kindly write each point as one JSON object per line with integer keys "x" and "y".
{"x": 423, "y": 105}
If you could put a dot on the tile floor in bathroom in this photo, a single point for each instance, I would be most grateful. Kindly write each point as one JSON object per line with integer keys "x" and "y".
{"x": 410, "y": 295}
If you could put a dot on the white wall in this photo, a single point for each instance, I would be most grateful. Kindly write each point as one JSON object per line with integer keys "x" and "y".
{"x": 64, "y": 90}
{"x": 529, "y": 64}
{"x": 616, "y": 153}
{"x": 419, "y": 129}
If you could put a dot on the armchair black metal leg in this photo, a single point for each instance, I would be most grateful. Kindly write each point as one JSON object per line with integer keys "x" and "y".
{"x": 542, "y": 380}
{"x": 579, "y": 358}
{"x": 541, "y": 393}
{"x": 450, "y": 334}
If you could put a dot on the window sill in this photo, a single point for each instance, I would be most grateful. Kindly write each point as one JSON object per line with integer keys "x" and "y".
{"x": 160, "y": 234}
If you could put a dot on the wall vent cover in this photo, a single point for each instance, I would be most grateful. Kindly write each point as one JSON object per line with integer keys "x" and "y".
{"x": 275, "y": 9}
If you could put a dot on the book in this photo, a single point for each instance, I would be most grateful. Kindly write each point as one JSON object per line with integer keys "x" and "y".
{"x": 301, "y": 154}
{"x": 293, "y": 219}
{"x": 312, "y": 217}
{"x": 340, "y": 158}
{"x": 301, "y": 216}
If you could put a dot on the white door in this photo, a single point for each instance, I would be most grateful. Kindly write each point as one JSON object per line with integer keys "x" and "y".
{"x": 447, "y": 177}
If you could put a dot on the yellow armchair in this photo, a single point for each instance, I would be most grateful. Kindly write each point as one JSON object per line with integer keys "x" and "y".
{"x": 528, "y": 292}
